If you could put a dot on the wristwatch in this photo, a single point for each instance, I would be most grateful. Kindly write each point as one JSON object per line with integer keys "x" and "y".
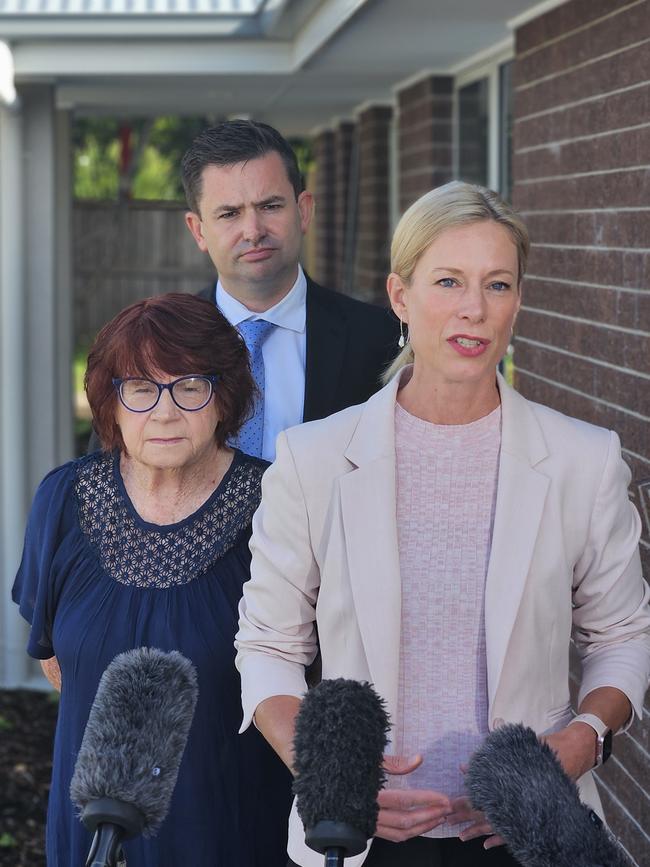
{"x": 603, "y": 736}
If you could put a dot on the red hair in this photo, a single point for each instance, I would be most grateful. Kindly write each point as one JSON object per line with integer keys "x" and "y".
{"x": 175, "y": 334}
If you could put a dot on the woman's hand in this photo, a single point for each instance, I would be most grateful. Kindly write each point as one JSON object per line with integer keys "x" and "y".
{"x": 575, "y": 747}
{"x": 575, "y": 744}
{"x": 480, "y": 827}
{"x": 52, "y": 671}
{"x": 406, "y": 813}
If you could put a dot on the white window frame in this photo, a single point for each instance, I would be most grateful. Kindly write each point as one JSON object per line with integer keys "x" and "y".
{"x": 487, "y": 66}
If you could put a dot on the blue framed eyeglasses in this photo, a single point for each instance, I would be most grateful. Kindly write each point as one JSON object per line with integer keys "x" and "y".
{"x": 189, "y": 393}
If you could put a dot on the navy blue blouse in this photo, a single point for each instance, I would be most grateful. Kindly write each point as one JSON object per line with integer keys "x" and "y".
{"x": 96, "y": 580}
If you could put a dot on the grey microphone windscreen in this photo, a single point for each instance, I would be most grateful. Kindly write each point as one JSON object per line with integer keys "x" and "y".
{"x": 339, "y": 744}
{"x": 520, "y": 785}
{"x": 136, "y": 733}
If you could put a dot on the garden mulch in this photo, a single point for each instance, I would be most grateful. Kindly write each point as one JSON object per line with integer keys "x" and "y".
{"x": 27, "y": 721}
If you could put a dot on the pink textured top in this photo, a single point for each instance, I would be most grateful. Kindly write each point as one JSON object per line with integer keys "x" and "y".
{"x": 446, "y": 494}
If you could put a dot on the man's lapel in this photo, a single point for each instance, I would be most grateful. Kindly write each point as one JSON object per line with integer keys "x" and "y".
{"x": 209, "y": 293}
{"x": 326, "y": 336}
{"x": 521, "y": 495}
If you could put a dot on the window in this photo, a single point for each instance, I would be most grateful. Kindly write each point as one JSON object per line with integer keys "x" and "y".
{"x": 473, "y": 132}
{"x": 483, "y": 130}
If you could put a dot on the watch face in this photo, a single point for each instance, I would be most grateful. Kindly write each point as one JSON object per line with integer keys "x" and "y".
{"x": 607, "y": 746}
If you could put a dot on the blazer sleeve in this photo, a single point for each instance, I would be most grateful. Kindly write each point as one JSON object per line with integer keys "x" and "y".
{"x": 277, "y": 633}
{"x": 611, "y": 615}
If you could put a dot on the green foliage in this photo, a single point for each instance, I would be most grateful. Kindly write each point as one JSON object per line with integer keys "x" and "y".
{"x": 509, "y": 366}
{"x": 7, "y": 841}
{"x": 304, "y": 154}
{"x": 157, "y": 177}
{"x": 5, "y": 725}
{"x": 156, "y": 146}
{"x": 96, "y": 154}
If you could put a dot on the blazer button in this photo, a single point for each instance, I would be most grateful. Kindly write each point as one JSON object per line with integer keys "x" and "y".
{"x": 498, "y": 722}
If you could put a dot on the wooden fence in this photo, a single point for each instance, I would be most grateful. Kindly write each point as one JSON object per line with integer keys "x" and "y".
{"x": 124, "y": 252}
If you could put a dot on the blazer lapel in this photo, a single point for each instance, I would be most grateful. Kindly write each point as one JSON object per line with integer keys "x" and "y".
{"x": 369, "y": 518}
{"x": 521, "y": 494}
{"x": 368, "y": 502}
{"x": 326, "y": 335}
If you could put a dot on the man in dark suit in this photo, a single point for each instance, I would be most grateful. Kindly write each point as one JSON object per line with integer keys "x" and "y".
{"x": 313, "y": 351}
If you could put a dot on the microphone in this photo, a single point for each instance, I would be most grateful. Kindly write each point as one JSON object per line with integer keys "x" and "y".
{"x": 339, "y": 745}
{"x": 132, "y": 747}
{"x": 520, "y": 785}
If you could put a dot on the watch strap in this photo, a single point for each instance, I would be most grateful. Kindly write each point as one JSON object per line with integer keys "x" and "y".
{"x": 592, "y": 720}
{"x": 603, "y": 735}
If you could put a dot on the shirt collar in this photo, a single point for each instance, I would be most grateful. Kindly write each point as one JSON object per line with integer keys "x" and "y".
{"x": 290, "y": 312}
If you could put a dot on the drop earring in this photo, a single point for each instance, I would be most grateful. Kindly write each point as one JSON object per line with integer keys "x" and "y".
{"x": 402, "y": 340}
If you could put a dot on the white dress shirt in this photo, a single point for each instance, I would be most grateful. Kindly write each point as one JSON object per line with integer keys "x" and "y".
{"x": 284, "y": 352}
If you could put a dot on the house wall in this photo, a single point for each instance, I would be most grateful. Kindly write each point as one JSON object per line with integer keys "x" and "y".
{"x": 324, "y": 224}
{"x": 582, "y": 182}
{"x": 372, "y": 245}
{"x": 581, "y": 178}
{"x": 424, "y": 136}
{"x": 345, "y": 204}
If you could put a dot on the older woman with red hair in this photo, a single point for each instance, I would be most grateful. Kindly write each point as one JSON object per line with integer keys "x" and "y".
{"x": 145, "y": 543}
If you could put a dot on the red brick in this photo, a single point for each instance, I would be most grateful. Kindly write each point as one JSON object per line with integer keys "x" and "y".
{"x": 614, "y": 306}
{"x": 372, "y": 230}
{"x": 629, "y": 269}
{"x": 632, "y": 432}
{"x": 628, "y": 67}
{"x": 622, "y": 189}
{"x": 630, "y": 792}
{"x": 635, "y": 842}
{"x": 343, "y": 143}
{"x": 631, "y": 25}
{"x": 600, "y": 382}
{"x": 615, "y": 150}
{"x": 436, "y": 85}
{"x": 325, "y": 239}
{"x": 562, "y": 20}
{"x": 607, "y": 113}
{"x": 616, "y": 347}
{"x": 614, "y": 229}
{"x": 426, "y": 112}
{"x": 424, "y": 137}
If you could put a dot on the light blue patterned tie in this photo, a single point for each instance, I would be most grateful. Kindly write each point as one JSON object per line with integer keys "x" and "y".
{"x": 251, "y": 434}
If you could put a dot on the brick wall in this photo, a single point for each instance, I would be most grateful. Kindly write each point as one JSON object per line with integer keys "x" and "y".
{"x": 582, "y": 182}
{"x": 372, "y": 262}
{"x": 343, "y": 145}
{"x": 424, "y": 137}
{"x": 323, "y": 227}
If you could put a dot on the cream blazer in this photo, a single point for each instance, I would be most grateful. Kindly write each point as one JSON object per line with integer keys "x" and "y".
{"x": 564, "y": 563}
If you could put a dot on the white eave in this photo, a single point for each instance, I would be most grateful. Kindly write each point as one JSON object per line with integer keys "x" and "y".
{"x": 127, "y": 8}
{"x": 295, "y": 63}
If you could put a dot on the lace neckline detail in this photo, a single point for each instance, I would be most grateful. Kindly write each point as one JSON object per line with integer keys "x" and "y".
{"x": 141, "y": 554}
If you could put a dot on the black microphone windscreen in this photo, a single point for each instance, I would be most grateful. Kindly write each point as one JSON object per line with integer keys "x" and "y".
{"x": 338, "y": 754}
{"x": 520, "y": 785}
{"x": 136, "y": 733}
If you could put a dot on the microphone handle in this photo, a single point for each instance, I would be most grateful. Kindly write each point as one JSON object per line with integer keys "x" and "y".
{"x": 106, "y": 849}
{"x": 334, "y": 857}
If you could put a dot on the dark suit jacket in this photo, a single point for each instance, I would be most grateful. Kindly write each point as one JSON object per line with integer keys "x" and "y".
{"x": 349, "y": 345}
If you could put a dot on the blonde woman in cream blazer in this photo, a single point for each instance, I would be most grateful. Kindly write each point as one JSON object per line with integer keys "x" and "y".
{"x": 563, "y": 556}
